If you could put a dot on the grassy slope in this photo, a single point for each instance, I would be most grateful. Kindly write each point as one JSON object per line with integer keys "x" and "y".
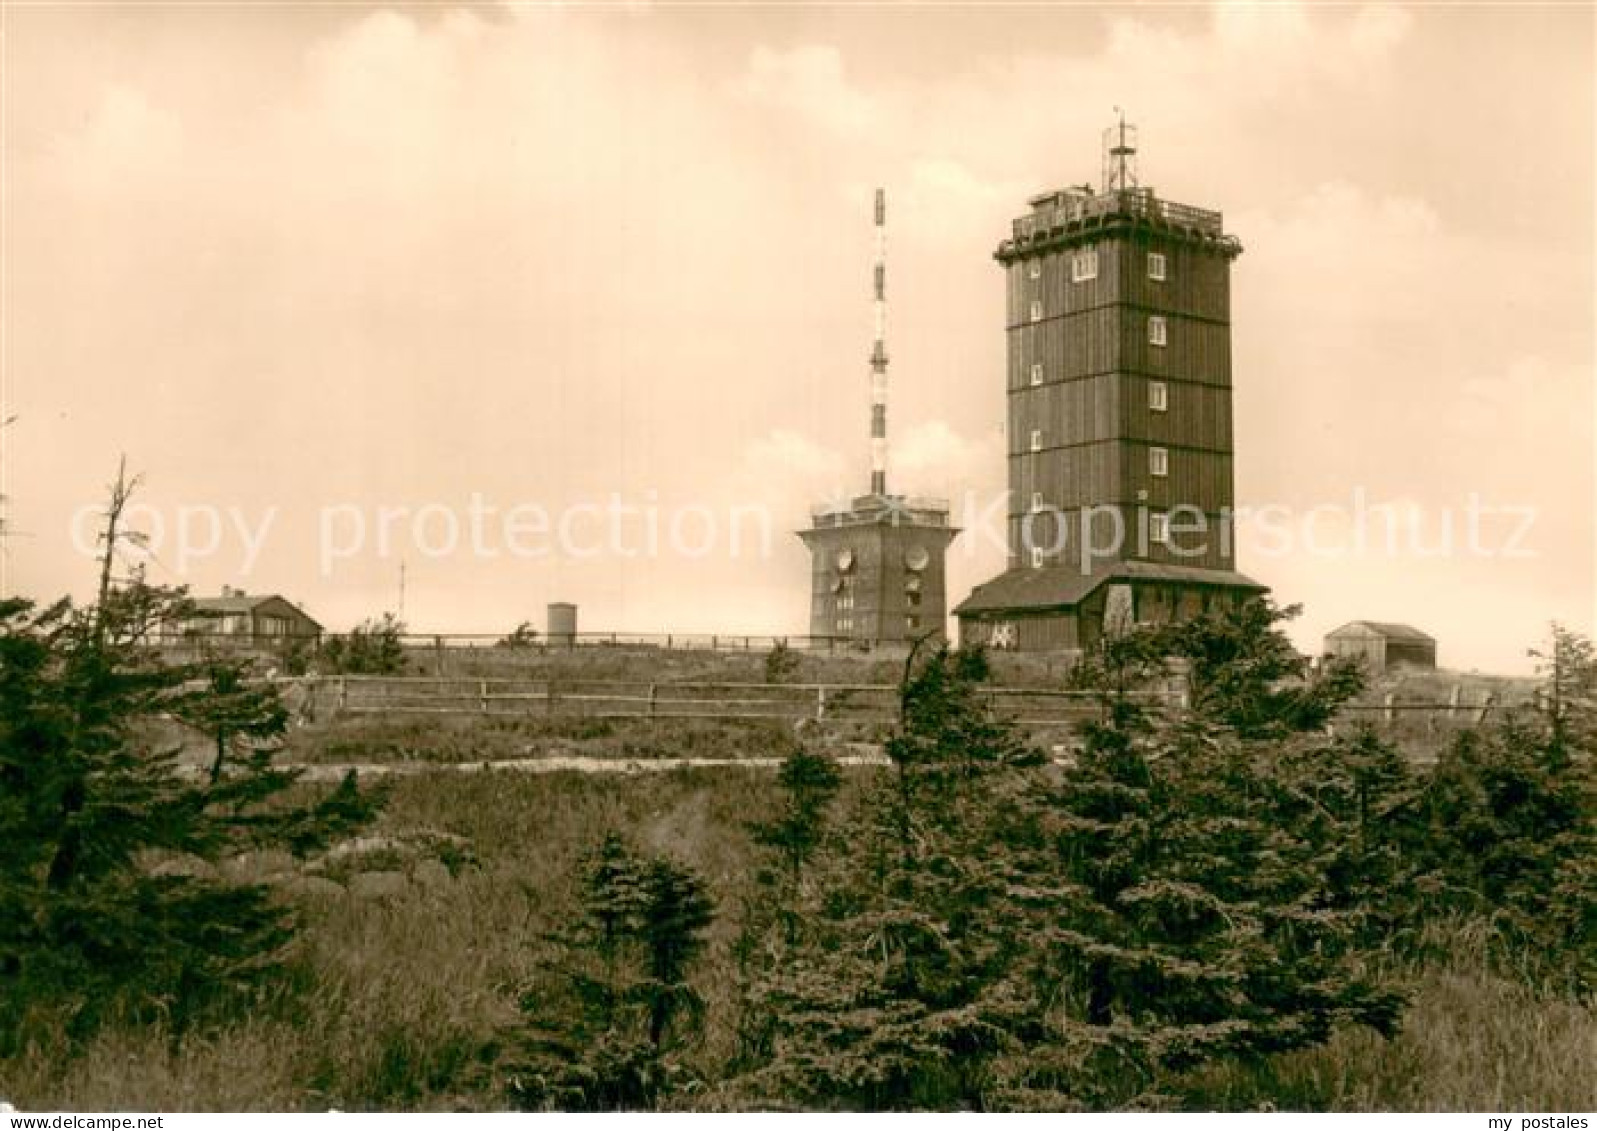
{"x": 406, "y": 996}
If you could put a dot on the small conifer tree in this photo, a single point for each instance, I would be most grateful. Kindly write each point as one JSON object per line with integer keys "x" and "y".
{"x": 605, "y": 1023}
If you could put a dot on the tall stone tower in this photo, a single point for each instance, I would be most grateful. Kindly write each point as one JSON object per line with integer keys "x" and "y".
{"x": 1118, "y": 324}
{"x": 876, "y": 563}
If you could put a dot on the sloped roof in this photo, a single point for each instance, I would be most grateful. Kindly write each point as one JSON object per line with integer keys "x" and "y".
{"x": 1383, "y": 628}
{"x": 243, "y": 603}
{"x": 240, "y": 604}
{"x": 1065, "y": 586}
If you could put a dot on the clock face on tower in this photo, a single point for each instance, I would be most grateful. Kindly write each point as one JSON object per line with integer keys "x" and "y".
{"x": 917, "y": 559}
{"x": 845, "y": 560}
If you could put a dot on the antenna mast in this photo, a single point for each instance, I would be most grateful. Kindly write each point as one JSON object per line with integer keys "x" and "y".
{"x": 1120, "y": 156}
{"x": 879, "y": 355}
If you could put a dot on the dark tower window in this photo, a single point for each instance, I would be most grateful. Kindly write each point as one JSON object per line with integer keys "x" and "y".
{"x": 1158, "y": 396}
{"x": 1156, "y": 266}
{"x": 1157, "y": 334}
{"x": 1083, "y": 266}
{"x": 1158, "y": 462}
{"x": 1036, "y": 373}
{"x": 1036, "y": 311}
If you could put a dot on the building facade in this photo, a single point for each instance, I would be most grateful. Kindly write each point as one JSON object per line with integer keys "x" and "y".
{"x": 239, "y": 619}
{"x": 1118, "y": 380}
{"x": 1382, "y": 645}
{"x": 877, "y": 569}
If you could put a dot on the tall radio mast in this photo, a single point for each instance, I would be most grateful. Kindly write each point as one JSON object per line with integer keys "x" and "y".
{"x": 879, "y": 355}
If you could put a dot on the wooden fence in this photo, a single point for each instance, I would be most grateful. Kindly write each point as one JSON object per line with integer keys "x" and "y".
{"x": 821, "y": 703}
{"x": 429, "y": 695}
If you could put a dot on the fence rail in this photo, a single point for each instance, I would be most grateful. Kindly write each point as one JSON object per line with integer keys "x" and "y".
{"x": 535, "y": 642}
{"x": 820, "y": 702}
{"x": 830, "y": 702}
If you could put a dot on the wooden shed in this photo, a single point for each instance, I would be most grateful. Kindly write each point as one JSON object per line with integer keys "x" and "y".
{"x": 1382, "y": 645}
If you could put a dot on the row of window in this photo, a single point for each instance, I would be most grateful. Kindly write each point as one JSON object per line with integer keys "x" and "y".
{"x": 1158, "y": 465}
{"x": 1084, "y": 266}
{"x": 846, "y": 624}
{"x": 1158, "y": 328}
{"x": 1158, "y": 393}
{"x": 1158, "y": 401}
{"x": 1158, "y": 534}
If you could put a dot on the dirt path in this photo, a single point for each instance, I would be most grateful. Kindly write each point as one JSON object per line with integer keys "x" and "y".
{"x": 863, "y": 755}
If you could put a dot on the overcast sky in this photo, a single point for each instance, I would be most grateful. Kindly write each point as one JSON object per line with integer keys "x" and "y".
{"x": 310, "y": 262}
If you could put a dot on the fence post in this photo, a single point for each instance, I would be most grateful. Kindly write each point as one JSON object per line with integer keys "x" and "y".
{"x": 1454, "y": 697}
{"x": 343, "y": 694}
{"x": 482, "y": 694}
{"x": 651, "y": 700}
{"x": 1387, "y": 711}
{"x": 668, "y": 645}
{"x": 438, "y": 654}
{"x": 1485, "y": 707}
{"x": 820, "y": 704}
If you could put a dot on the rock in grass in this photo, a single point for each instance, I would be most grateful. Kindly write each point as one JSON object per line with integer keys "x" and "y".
{"x": 253, "y": 867}
{"x": 378, "y": 885}
{"x": 313, "y": 888}
{"x": 182, "y": 864}
{"x": 430, "y": 873}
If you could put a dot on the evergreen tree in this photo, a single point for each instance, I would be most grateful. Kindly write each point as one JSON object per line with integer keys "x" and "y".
{"x": 89, "y": 930}
{"x": 604, "y": 1024}
{"x": 376, "y": 646}
{"x": 1510, "y": 824}
{"x": 781, "y": 664}
{"x": 236, "y": 714}
{"x": 773, "y": 917}
{"x": 884, "y": 1000}
{"x": 1245, "y": 674}
{"x": 1200, "y": 918}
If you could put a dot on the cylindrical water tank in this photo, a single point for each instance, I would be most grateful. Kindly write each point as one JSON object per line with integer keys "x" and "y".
{"x": 562, "y": 623}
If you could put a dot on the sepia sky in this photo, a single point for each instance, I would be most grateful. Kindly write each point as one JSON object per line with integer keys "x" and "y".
{"x": 315, "y": 262}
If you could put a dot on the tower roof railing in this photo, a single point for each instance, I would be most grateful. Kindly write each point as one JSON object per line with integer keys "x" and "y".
{"x": 872, "y": 508}
{"x": 1068, "y": 207}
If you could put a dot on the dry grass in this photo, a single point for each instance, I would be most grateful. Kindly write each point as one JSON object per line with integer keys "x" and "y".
{"x": 374, "y": 738}
{"x": 401, "y": 1003}
{"x": 1472, "y": 1040}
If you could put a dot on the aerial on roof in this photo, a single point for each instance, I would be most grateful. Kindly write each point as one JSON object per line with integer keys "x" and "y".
{"x": 1382, "y": 628}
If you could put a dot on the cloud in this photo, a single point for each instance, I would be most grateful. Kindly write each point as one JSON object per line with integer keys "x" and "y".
{"x": 808, "y": 81}
{"x": 126, "y": 136}
{"x": 553, "y": 253}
